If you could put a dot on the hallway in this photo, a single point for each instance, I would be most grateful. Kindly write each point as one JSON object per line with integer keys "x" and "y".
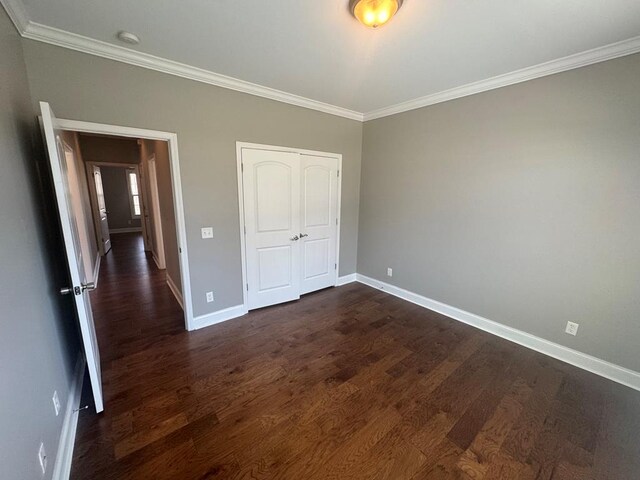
{"x": 133, "y": 306}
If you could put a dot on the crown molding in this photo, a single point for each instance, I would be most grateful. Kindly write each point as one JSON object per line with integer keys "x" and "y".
{"x": 62, "y": 38}
{"x": 582, "y": 59}
{"x": 17, "y": 13}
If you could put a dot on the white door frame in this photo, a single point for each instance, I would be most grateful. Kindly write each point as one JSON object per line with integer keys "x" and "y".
{"x": 172, "y": 139}
{"x": 273, "y": 148}
{"x": 152, "y": 178}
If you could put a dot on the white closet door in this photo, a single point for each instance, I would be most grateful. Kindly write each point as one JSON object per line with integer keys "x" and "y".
{"x": 271, "y": 189}
{"x": 319, "y": 212}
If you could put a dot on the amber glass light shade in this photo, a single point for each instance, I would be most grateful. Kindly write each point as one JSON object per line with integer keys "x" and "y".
{"x": 374, "y": 13}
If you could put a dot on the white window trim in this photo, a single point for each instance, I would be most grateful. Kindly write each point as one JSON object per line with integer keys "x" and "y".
{"x": 131, "y": 204}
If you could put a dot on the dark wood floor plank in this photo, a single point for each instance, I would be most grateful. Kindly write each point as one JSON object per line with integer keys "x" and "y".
{"x": 347, "y": 383}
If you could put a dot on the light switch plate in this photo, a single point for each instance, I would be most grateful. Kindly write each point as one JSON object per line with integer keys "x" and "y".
{"x": 207, "y": 232}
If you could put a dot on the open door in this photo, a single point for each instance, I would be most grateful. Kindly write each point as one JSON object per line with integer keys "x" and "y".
{"x": 79, "y": 284}
{"x": 102, "y": 224}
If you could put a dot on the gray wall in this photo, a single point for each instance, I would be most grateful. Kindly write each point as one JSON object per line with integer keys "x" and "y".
{"x": 208, "y": 121}
{"x": 167, "y": 213}
{"x": 38, "y": 344}
{"x": 519, "y": 204}
{"x": 97, "y": 148}
{"x": 116, "y": 198}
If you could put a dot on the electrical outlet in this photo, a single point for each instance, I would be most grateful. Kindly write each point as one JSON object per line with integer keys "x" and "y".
{"x": 389, "y": 272}
{"x": 209, "y": 297}
{"x": 42, "y": 458}
{"x": 572, "y": 328}
{"x": 207, "y": 232}
{"x": 56, "y": 403}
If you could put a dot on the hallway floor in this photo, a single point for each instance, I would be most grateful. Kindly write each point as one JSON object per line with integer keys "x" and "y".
{"x": 346, "y": 383}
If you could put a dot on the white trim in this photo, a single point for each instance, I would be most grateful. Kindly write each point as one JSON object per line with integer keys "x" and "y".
{"x": 17, "y": 13}
{"x": 181, "y": 229}
{"x": 582, "y": 59}
{"x": 220, "y": 316}
{"x": 153, "y": 213}
{"x": 64, "y": 457}
{"x": 125, "y": 230}
{"x": 73, "y": 41}
{"x": 174, "y": 289}
{"x": 96, "y": 269}
{"x": 156, "y": 261}
{"x": 346, "y": 279}
{"x": 581, "y": 360}
{"x": 62, "y": 38}
{"x": 274, "y": 148}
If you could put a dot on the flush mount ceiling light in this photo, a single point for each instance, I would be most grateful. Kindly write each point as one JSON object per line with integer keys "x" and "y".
{"x": 128, "y": 37}
{"x": 373, "y": 13}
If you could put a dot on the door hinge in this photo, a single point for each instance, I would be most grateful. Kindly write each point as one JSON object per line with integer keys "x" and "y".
{"x": 242, "y": 167}
{"x": 179, "y": 249}
{"x": 336, "y": 221}
{"x": 247, "y": 287}
{"x": 245, "y": 229}
{"x": 335, "y": 266}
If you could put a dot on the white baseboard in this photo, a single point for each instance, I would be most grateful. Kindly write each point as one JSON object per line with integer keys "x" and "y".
{"x": 176, "y": 292}
{"x": 64, "y": 457}
{"x": 156, "y": 261}
{"x": 346, "y": 279}
{"x": 125, "y": 230}
{"x": 592, "y": 364}
{"x": 96, "y": 269}
{"x": 219, "y": 316}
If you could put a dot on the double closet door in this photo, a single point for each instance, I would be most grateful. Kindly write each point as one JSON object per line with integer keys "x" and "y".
{"x": 291, "y": 224}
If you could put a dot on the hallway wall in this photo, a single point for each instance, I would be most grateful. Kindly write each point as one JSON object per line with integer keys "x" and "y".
{"x": 116, "y": 198}
{"x": 38, "y": 339}
{"x": 167, "y": 213}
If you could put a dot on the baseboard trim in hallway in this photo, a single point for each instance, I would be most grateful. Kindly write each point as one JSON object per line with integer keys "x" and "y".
{"x": 175, "y": 291}
{"x": 578, "y": 359}
{"x": 64, "y": 457}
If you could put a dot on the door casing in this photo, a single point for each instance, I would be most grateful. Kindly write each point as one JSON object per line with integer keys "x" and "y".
{"x": 174, "y": 162}
{"x": 239, "y": 147}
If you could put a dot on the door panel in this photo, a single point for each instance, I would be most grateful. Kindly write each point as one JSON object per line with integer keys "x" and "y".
{"x": 316, "y": 258}
{"x": 59, "y": 170}
{"x": 319, "y": 200}
{"x": 102, "y": 210}
{"x": 271, "y": 195}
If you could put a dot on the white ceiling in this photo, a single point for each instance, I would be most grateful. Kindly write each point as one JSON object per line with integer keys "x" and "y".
{"x": 316, "y": 49}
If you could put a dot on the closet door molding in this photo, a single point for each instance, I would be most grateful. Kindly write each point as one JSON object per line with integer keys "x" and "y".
{"x": 301, "y": 155}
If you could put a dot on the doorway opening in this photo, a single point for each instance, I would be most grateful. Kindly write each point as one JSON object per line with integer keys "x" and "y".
{"x": 119, "y": 201}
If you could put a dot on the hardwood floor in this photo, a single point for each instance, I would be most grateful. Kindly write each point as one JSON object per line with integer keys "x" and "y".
{"x": 347, "y": 383}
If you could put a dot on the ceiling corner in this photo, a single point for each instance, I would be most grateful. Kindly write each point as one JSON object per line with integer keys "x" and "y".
{"x": 17, "y": 13}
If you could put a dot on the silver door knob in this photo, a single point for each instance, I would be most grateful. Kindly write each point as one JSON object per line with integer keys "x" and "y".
{"x": 302, "y": 235}
{"x": 66, "y": 290}
{"x": 295, "y": 238}
{"x": 88, "y": 286}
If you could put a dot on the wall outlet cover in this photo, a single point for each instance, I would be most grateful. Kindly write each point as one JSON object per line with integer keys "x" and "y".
{"x": 209, "y": 297}
{"x": 572, "y": 328}
{"x": 56, "y": 403}
{"x": 207, "y": 232}
{"x": 389, "y": 272}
